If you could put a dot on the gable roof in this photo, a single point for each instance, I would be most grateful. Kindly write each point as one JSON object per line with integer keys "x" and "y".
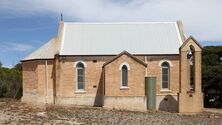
{"x": 129, "y": 55}
{"x": 113, "y": 38}
{"x": 47, "y": 51}
{"x": 188, "y": 39}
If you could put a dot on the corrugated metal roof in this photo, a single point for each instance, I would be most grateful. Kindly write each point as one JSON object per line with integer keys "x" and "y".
{"x": 113, "y": 38}
{"x": 47, "y": 51}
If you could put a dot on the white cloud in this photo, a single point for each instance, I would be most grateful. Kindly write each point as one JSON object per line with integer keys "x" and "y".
{"x": 8, "y": 46}
{"x": 201, "y": 18}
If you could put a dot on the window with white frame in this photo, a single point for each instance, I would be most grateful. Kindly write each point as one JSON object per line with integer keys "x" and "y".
{"x": 80, "y": 70}
{"x": 124, "y": 71}
{"x": 165, "y": 75}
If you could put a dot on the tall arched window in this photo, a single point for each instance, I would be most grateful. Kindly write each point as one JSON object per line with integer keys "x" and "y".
{"x": 80, "y": 76}
{"x": 191, "y": 59}
{"x": 165, "y": 75}
{"x": 124, "y": 76}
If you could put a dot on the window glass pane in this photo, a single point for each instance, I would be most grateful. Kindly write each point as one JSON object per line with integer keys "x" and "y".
{"x": 165, "y": 78}
{"x": 80, "y": 76}
{"x": 80, "y": 71}
{"x": 80, "y": 65}
{"x": 124, "y": 76}
{"x": 165, "y": 71}
{"x": 165, "y": 75}
{"x": 124, "y": 79}
{"x": 165, "y": 85}
{"x": 165, "y": 64}
{"x": 80, "y": 85}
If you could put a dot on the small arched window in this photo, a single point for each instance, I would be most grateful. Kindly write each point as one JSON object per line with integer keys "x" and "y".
{"x": 80, "y": 76}
{"x": 165, "y": 75}
{"x": 124, "y": 76}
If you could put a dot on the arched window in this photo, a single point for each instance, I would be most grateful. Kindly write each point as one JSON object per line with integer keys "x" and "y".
{"x": 80, "y": 76}
{"x": 191, "y": 59}
{"x": 165, "y": 75}
{"x": 124, "y": 76}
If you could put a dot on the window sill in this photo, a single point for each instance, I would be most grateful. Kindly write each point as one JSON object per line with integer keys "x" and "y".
{"x": 124, "y": 88}
{"x": 191, "y": 91}
{"x": 80, "y": 92}
{"x": 165, "y": 91}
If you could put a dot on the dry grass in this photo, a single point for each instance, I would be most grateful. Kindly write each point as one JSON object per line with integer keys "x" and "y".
{"x": 14, "y": 112}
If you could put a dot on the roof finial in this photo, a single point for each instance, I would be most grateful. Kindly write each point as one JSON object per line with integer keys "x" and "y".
{"x": 61, "y": 18}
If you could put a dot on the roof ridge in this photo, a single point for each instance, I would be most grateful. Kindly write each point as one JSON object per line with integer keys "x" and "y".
{"x": 125, "y": 53}
{"x": 119, "y": 22}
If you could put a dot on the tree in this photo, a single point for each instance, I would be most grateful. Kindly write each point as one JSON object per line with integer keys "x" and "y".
{"x": 212, "y": 75}
{"x": 11, "y": 82}
{"x": 18, "y": 67}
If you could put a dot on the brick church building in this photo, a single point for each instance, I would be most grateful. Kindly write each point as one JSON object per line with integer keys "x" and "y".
{"x": 133, "y": 66}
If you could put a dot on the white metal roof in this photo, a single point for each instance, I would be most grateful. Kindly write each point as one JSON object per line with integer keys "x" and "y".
{"x": 47, "y": 51}
{"x": 113, "y": 38}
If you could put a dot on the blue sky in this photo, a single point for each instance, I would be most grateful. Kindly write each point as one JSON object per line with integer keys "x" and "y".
{"x": 21, "y": 35}
{"x": 26, "y": 25}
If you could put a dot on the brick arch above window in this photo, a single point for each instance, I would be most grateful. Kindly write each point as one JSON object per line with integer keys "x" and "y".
{"x": 168, "y": 61}
{"x": 122, "y": 64}
{"x": 75, "y": 64}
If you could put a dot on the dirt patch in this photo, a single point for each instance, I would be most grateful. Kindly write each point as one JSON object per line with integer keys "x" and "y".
{"x": 12, "y": 112}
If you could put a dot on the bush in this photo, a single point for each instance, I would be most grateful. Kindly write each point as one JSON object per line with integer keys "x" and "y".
{"x": 11, "y": 82}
